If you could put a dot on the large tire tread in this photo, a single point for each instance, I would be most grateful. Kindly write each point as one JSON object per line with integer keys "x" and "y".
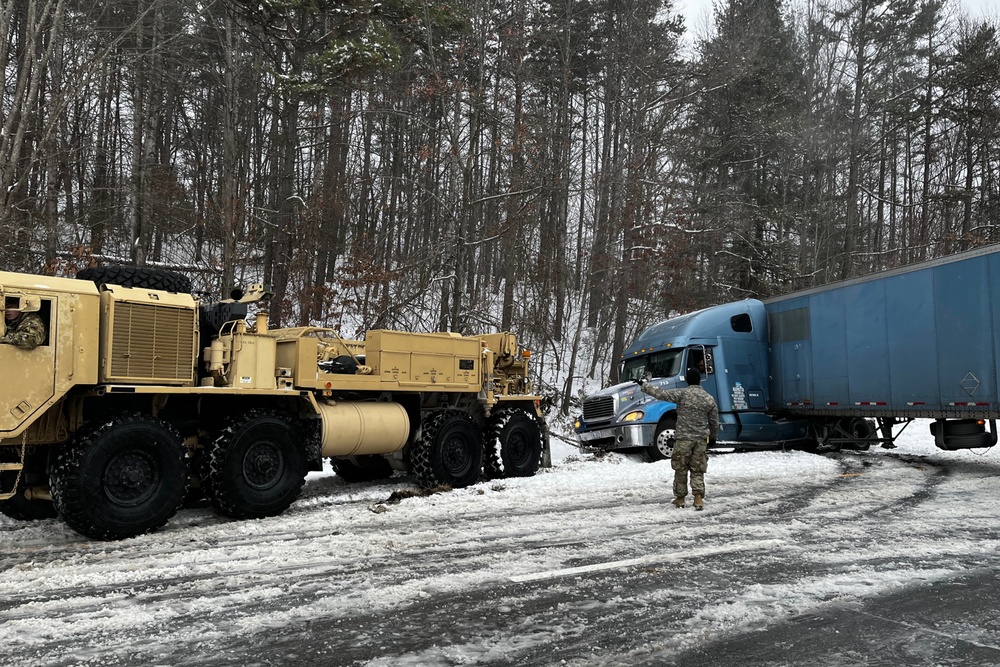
{"x": 80, "y": 495}
{"x": 225, "y": 478}
{"x": 512, "y": 445}
{"x": 137, "y": 276}
{"x": 428, "y": 461}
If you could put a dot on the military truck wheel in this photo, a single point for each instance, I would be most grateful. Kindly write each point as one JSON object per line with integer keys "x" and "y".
{"x": 448, "y": 451}
{"x": 124, "y": 478}
{"x": 137, "y": 276}
{"x": 663, "y": 442}
{"x": 18, "y": 507}
{"x": 254, "y": 466}
{"x": 512, "y": 446}
{"x": 354, "y": 469}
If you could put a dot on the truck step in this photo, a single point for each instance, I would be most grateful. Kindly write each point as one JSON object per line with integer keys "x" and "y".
{"x": 14, "y": 466}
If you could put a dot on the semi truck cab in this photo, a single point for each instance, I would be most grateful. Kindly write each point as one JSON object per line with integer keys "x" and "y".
{"x": 728, "y": 344}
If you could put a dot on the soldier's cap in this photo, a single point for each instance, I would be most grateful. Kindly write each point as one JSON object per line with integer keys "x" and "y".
{"x": 692, "y": 377}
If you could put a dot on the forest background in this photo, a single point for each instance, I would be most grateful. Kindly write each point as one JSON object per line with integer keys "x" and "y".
{"x": 571, "y": 170}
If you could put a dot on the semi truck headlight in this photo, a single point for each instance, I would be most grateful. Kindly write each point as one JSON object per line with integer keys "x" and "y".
{"x": 633, "y": 416}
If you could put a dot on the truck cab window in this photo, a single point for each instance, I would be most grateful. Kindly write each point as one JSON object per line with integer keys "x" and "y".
{"x": 741, "y": 323}
{"x": 657, "y": 365}
{"x": 17, "y": 308}
{"x": 701, "y": 358}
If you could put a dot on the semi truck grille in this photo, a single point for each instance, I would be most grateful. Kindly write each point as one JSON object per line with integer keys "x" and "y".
{"x": 151, "y": 343}
{"x": 598, "y": 409}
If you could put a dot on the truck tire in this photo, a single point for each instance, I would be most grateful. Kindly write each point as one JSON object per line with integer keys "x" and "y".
{"x": 124, "y": 478}
{"x": 512, "y": 446}
{"x": 19, "y": 507}
{"x": 448, "y": 451}
{"x": 663, "y": 441}
{"x": 956, "y": 442}
{"x": 254, "y": 466}
{"x": 354, "y": 469}
{"x": 862, "y": 429}
{"x": 959, "y": 427}
{"x": 137, "y": 276}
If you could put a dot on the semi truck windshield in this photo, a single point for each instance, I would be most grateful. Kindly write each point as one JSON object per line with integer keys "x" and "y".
{"x": 658, "y": 365}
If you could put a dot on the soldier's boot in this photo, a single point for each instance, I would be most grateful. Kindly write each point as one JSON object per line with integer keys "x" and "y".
{"x": 678, "y": 501}
{"x": 699, "y": 504}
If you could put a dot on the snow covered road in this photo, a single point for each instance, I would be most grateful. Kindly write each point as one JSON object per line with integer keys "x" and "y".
{"x": 584, "y": 564}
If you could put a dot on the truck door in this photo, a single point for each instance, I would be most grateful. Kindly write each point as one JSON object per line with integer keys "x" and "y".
{"x": 702, "y": 358}
{"x": 29, "y": 375}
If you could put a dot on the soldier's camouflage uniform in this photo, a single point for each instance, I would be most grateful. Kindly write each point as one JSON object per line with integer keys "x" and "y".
{"x": 26, "y": 332}
{"x": 697, "y": 423}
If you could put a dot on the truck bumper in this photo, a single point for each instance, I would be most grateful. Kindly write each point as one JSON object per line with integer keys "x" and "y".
{"x": 621, "y": 437}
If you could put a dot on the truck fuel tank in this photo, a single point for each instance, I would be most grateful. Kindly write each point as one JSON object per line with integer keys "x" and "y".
{"x": 361, "y": 427}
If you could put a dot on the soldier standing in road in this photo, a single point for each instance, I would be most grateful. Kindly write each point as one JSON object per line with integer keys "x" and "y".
{"x": 25, "y": 330}
{"x": 697, "y": 427}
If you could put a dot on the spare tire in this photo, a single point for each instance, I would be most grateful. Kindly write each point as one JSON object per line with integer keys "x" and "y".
{"x": 137, "y": 276}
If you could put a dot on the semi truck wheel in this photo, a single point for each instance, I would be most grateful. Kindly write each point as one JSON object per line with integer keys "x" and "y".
{"x": 137, "y": 276}
{"x": 513, "y": 445}
{"x": 355, "y": 469}
{"x": 254, "y": 467}
{"x": 124, "y": 478}
{"x": 663, "y": 441}
{"x": 448, "y": 451}
{"x": 863, "y": 430}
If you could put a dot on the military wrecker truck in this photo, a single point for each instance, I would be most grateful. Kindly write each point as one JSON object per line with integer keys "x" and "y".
{"x": 139, "y": 396}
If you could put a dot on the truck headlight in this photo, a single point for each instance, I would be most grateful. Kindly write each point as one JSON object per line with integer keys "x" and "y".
{"x": 633, "y": 416}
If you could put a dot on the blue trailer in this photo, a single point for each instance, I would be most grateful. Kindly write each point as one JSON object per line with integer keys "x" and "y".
{"x": 835, "y": 366}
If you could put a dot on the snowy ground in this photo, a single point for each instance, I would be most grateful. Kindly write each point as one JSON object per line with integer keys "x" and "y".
{"x": 584, "y": 564}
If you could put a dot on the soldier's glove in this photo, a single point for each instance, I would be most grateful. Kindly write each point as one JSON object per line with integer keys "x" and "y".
{"x": 640, "y": 381}
{"x": 711, "y": 442}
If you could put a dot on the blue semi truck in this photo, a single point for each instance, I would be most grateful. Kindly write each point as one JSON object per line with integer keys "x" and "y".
{"x": 844, "y": 365}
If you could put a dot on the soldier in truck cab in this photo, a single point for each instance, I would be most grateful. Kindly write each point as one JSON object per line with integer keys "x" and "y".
{"x": 24, "y": 330}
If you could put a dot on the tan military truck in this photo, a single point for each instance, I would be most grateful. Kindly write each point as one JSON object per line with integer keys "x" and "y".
{"x": 138, "y": 395}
